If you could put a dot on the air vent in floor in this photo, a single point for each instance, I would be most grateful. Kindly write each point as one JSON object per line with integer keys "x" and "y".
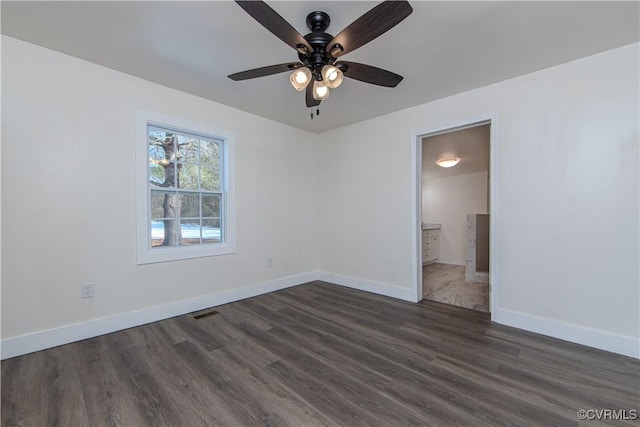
{"x": 206, "y": 314}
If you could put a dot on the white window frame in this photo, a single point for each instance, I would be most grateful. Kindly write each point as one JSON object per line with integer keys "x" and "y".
{"x": 147, "y": 254}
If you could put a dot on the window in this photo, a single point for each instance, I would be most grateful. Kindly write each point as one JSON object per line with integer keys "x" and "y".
{"x": 185, "y": 192}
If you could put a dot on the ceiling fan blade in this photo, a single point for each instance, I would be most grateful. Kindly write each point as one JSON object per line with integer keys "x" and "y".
{"x": 264, "y": 71}
{"x": 276, "y": 24}
{"x": 369, "y": 74}
{"x": 372, "y": 24}
{"x": 309, "y": 96}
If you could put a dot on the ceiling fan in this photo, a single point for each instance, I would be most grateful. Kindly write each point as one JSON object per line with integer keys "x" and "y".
{"x": 318, "y": 52}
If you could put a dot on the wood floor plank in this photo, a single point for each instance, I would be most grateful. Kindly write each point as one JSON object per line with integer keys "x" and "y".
{"x": 357, "y": 399}
{"x": 319, "y": 355}
{"x": 459, "y": 385}
{"x": 276, "y": 392}
{"x": 369, "y": 368}
{"x": 64, "y": 408}
{"x": 105, "y": 395}
{"x": 16, "y": 383}
{"x": 273, "y": 402}
{"x": 414, "y": 364}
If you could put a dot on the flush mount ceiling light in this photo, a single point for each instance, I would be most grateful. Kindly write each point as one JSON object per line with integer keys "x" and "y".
{"x": 448, "y": 163}
{"x": 318, "y": 51}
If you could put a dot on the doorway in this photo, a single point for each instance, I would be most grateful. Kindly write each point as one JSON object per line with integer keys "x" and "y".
{"x": 454, "y": 212}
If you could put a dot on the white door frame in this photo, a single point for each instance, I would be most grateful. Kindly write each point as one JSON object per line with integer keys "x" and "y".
{"x": 416, "y": 203}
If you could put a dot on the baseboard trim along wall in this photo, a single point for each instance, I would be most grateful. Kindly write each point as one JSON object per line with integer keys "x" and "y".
{"x": 368, "y": 286}
{"x": 620, "y": 344}
{"x": 28, "y": 343}
{"x": 626, "y": 346}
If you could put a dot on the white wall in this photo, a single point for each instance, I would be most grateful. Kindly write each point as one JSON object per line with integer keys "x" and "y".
{"x": 447, "y": 201}
{"x": 565, "y": 208}
{"x": 68, "y": 201}
{"x": 565, "y": 166}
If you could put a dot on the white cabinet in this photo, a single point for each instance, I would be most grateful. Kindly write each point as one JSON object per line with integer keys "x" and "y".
{"x": 430, "y": 245}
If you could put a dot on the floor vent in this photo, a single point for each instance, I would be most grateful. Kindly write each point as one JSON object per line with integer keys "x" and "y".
{"x": 207, "y": 314}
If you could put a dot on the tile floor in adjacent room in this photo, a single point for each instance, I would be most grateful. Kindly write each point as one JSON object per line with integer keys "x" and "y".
{"x": 446, "y": 283}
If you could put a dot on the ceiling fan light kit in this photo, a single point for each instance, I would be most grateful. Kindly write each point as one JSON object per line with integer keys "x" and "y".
{"x": 320, "y": 90}
{"x": 300, "y": 78}
{"x": 332, "y": 76}
{"x": 318, "y": 51}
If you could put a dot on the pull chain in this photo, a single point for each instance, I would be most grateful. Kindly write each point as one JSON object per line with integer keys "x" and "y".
{"x": 317, "y": 113}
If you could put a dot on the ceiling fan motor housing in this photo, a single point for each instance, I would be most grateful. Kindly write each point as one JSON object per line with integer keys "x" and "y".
{"x": 317, "y": 22}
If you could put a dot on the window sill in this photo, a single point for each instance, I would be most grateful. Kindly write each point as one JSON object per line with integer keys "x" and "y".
{"x": 178, "y": 253}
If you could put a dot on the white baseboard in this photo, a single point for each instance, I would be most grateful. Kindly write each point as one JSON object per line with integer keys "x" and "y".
{"x": 368, "y": 286}
{"x": 620, "y": 344}
{"x": 28, "y": 343}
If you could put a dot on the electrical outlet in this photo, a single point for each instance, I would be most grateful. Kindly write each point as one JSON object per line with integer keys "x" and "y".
{"x": 269, "y": 262}
{"x": 87, "y": 290}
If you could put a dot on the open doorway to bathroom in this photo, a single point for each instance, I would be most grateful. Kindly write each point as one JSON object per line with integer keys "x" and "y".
{"x": 455, "y": 216}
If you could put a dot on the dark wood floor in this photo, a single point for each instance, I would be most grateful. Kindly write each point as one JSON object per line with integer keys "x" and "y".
{"x": 318, "y": 354}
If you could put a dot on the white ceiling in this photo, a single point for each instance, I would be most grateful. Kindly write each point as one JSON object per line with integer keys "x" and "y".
{"x": 470, "y": 145}
{"x": 441, "y": 49}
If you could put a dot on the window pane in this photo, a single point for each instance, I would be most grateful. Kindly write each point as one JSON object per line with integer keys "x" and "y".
{"x": 187, "y": 149}
{"x": 162, "y": 176}
{"x": 156, "y": 151}
{"x": 190, "y": 231}
{"x": 160, "y": 149}
{"x": 156, "y": 144}
{"x": 157, "y": 233}
{"x": 211, "y": 205}
{"x": 210, "y": 162}
{"x": 210, "y": 179}
{"x": 210, "y": 230}
{"x": 164, "y": 233}
{"x": 164, "y": 204}
{"x": 189, "y": 205}
{"x": 171, "y": 233}
{"x": 209, "y": 153}
{"x": 188, "y": 176}
{"x": 171, "y": 205}
{"x": 156, "y": 174}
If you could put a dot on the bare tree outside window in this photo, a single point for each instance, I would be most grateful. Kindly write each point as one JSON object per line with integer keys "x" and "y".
{"x": 185, "y": 177}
